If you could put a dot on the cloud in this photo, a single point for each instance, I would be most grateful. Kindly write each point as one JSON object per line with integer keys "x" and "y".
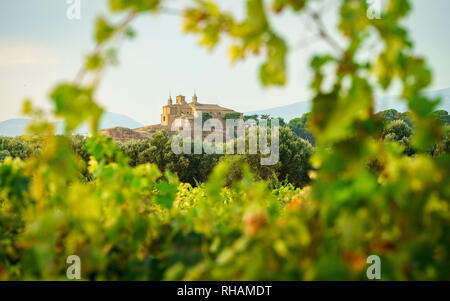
{"x": 19, "y": 53}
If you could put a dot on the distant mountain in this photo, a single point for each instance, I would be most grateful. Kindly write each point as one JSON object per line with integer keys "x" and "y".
{"x": 297, "y": 109}
{"x": 123, "y": 134}
{"x": 13, "y": 127}
{"x": 287, "y": 112}
{"x": 109, "y": 120}
{"x": 392, "y": 102}
{"x": 17, "y": 126}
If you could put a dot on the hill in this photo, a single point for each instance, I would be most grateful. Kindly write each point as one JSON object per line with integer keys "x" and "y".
{"x": 297, "y": 109}
{"x": 17, "y": 126}
{"x": 13, "y": 127}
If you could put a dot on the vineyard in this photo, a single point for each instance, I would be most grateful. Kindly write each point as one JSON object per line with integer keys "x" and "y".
{"x": 366, "y": 188}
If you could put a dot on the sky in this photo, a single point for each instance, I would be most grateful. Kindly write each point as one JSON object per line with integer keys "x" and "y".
{"x": 40, "y": 46}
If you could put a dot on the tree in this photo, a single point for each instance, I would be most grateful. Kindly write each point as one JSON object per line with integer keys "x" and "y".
{"x": 397, "y": 130}
{"x": 78, "y": 144}
{"x": 253, "y": 117}
{"x": 156, "y": 150}
{"x": 443, "y": 116}
{"x": 190, "y": 168}
{"x": 293, "y": 165}
{"x": 206, "y": 116}
{"x": 300, "y": 127}
{"x": 281, "y": 121}
{"x": 295, "y": 156}
{"x": 20, "y": 147}
{"x": 232, "y": 115}
{"x": 390, "y": 115}
{"x": 4, "y": 154}
{"x": 443, "y": 147}
{"x": 133, "y": 150}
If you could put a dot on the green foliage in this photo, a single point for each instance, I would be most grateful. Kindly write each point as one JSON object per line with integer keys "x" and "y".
{"x": 253, "y": 117}
{"x": 206, "y": 116}
{"x": 300, "y": 127}
{"x": 192, "y": 169}
{"x": 18, "y": 147}
{"x": 388, "y": 116}
{"x": 293, "y": 167}
{"x": 397, "y": 130}
{"x": 443, "y": 116}
{"x": 443, "y": 147}
{"x": 76, "y": 105}
{"x": 252, "y": 35}
{"x": 133, "y": 222}
{"x": 281, "y": 121}
{"x": 189, "y": 168}
{"x": 94, "y": 62}
{"x": 232, "y": 115}
{"x": 134, "y": 5}
{"x": 4, "y": 154}
{"x": 104, "y": 30}
{"x": 294, "y": 158}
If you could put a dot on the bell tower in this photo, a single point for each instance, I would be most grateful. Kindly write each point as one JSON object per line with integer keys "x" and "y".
{"x": 169, "y": 101}
{"x": 194, "y": 98}
{"x": 180, "y": 99}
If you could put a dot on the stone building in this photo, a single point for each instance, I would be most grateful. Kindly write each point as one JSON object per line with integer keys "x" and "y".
{"x": 170, "y": 112}
{"x": 185, "y": 110}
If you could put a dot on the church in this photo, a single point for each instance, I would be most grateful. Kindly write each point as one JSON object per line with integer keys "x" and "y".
{"x": 170, "y": 112}
{"x": 184, "y": 110}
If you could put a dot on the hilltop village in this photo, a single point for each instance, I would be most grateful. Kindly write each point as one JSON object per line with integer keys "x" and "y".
{"x": 170, "y": 112}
